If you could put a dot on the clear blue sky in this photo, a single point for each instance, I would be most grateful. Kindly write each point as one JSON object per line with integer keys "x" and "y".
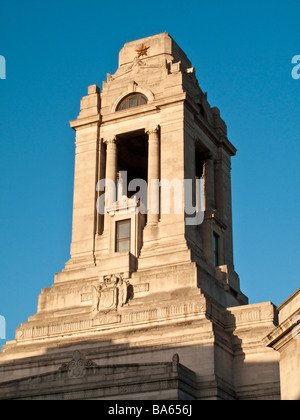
{"x": 54, "y": 50}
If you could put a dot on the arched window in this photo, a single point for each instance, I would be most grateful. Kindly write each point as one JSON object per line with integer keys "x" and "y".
{"x": 132, "y": 100}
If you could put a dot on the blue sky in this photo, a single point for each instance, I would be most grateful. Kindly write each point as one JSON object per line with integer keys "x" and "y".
{"x": 54, "y": 50}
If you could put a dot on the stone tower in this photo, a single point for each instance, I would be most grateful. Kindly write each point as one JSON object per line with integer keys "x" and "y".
{"x": 152, "y": 121}
{"x": 150, "y": 287}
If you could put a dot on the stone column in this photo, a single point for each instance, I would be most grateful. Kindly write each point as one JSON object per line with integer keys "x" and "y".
{"x": 111, "y": 170}
{"x": 153, "y": 174}
{"x": 209, "y": 184}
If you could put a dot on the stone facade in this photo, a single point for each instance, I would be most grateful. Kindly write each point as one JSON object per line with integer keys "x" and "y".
{"x": 128, "y": 300}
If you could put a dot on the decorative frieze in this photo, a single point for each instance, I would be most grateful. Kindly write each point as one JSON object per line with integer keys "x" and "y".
{"x": 107, "y": 320}
{"x": 113, "y": 317}
{"x": 240, "y": 316}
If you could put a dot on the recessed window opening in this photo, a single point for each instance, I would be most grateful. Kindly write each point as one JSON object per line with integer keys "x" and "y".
{"x": 123, "y": 236}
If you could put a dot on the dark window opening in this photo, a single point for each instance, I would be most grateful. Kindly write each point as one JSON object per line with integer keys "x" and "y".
{"x": 133, "y": 158}
{"x": 216, "y": 249}
{"x": 202, "y": 111}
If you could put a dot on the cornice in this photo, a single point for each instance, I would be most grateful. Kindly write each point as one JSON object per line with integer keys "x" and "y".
{"x": 283, "y": 334}
{"x": 288, "y": 300}
{"x": 210, "y": 131}
{"x": 86, "y": 122}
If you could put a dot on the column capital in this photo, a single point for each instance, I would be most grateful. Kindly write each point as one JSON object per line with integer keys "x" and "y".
{"x": 209, "y": 156}
{"x": 110, "y": 140}
{"x": 152, "y": 130}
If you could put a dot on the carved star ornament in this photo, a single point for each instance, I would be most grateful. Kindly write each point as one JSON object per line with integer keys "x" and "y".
{"x": 143, "y": 50}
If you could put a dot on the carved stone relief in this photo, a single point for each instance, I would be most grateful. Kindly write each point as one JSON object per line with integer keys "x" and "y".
{"x": 112, "y": 293}
{"x": 78, "y": 366}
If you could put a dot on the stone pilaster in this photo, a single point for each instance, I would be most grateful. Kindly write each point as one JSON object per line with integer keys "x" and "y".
{"x": 223, "y": 202}
{"x": 86, "y": 171}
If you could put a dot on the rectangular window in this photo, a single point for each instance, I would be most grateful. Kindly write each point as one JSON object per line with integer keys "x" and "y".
{"x": 123, "y": 236}
{"x": 216, "y": 250}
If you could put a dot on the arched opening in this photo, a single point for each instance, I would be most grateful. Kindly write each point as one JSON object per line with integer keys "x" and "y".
{"x": 131, "y": 101}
